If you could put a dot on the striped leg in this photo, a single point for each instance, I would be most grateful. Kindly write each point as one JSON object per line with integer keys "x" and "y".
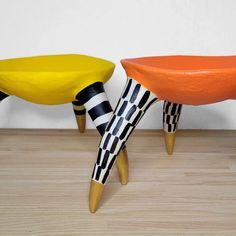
{"x": 95, "y": 101}
{"x": 80, "y": 115}
{"x": 171, "y": 114}
{"x": 3, "y": 96}
{"x": 134, "y": 102}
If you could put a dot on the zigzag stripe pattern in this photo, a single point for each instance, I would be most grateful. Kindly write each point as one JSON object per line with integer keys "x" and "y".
{"x": 171, "y": 114}
{"x": 134, "y": 102}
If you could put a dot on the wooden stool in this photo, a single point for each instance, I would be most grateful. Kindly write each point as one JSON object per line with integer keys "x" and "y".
{"x": 59, "y": 79}
{"x": 193, "y": 80}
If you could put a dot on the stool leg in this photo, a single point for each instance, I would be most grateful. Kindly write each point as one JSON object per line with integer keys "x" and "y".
{"x": 171, "y": 114}
{"x": 80, "y": 115}
{"x": 3, "y": 96}
{"x": 96, "y": 103}
{"x": 133, "y": 104}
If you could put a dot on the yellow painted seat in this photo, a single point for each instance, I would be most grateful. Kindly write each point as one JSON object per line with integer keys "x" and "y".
{"x": 53, "y": 79}
{"x": 58, "y": 79}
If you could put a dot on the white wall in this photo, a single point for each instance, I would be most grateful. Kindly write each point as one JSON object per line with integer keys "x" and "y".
{"x": 113, "y": 30}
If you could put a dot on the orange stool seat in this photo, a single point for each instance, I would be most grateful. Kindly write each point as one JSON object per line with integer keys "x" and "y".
{"x": 193, "y": 80}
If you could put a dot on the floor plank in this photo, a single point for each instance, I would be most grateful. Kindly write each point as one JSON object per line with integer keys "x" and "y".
{"x": 45, "y": 175}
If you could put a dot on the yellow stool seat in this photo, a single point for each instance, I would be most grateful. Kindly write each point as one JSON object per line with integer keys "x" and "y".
{"x": 52, "y": 79}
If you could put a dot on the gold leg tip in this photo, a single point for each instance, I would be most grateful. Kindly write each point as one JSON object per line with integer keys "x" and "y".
{"x": 170, "y": 141}
{"x": 124, "y": 181}
{"x": 81, "y": 122}
{"x": 169, "y": 151}
{"x": 96, "y": 190}
{"x": 81, "y": 131}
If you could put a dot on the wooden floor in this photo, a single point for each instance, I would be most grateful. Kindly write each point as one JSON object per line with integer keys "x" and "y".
{"x": 45, "y": 175}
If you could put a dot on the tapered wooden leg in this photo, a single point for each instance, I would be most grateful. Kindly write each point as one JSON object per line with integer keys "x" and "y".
{"x": 171, "y": 114}
{"x": 96, "y": 103}
{"x": 80, "y": 115}
{"x": 133, "y": 104}
{"x": 95, "y": 194}
{"x": 169, "y": 141}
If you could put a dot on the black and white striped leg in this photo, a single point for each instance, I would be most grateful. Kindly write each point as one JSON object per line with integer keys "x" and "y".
{"x": 96, "y": 103}
{"x": 3, "y": 96}
{"x": 133, "y": 104}
{"x": 80, "y": 115}
{"x": 171, "y": 114}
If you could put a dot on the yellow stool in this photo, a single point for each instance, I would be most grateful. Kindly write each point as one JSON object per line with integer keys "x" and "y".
{"x": 59, "y": 79}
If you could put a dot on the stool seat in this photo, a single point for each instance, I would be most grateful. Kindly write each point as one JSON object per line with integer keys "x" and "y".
{"x": 52, "y": 79}
{"x": 58, "y": 79}
{"x": 193, "y": 80}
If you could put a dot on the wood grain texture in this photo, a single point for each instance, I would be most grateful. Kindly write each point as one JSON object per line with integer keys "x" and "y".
{"x": 45, "y": 176}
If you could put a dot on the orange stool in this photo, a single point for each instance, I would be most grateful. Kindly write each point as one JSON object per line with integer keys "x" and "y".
{"x": 193, "y": 80}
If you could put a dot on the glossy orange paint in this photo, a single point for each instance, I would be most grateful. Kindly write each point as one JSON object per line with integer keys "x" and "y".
{"x": 193, "y": 80}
